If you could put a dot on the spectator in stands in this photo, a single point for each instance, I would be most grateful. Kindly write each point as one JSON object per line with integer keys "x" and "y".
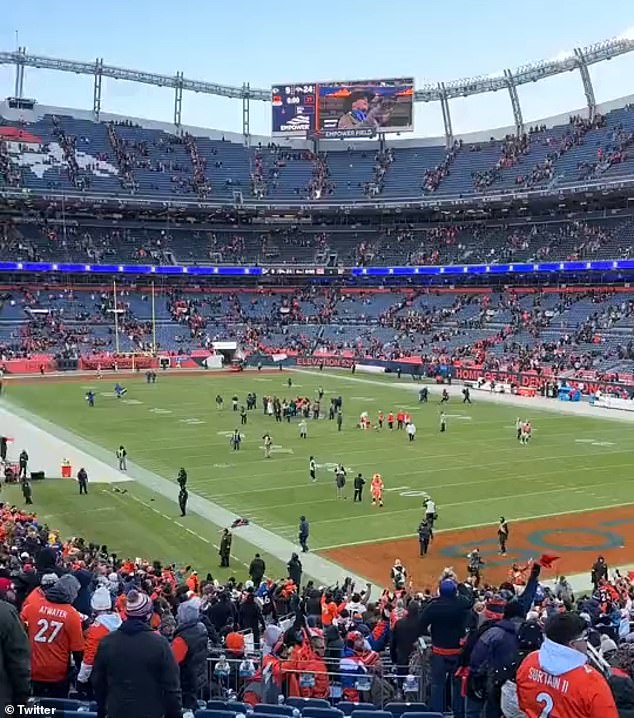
{"x": 556, "y": 680}
{"x": 404, "y": 635}
{"x": 190, "y": 651}
{"x": 106, "y": 621}
{"x": 15, "y": 660}
{"x": 135, "y": 672}
{"x": 55, "y": 635}
{"x": 446, "y": 619}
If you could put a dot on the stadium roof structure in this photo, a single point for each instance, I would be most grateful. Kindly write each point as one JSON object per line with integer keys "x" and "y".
{"x": 578, "y": 59}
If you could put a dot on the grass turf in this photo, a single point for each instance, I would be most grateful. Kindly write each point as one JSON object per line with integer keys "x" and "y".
{"x": 476, "y": 471}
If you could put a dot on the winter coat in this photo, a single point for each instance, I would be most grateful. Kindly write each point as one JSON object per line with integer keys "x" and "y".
{"x": 404, "y": 635}
{"x": 193, "y": 669}
{"x": 623, "y": 691}
{"x": 82, "y": 602}
{"x": 135, "y": 674}
{"x": 250, "y": 616}
{"x": 15, "y": 658}
{"x": 257, "y": 569}
{"x": 496, "y": 647}
{"x": 446, "y": 618}
{"x": 295, "y": 571}
{"x": 220, "y": 613}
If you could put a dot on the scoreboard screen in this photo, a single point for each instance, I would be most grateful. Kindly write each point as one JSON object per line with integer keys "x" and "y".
{"x": 363, "y": 108}
{"x": 293, "y": 110}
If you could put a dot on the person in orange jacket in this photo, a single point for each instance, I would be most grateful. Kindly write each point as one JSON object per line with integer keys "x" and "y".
{"x": 307, "y": 662}
{"x": 106, "y": 620}
{"x": 390, "y": 421}
{"x": 192, "y": 583}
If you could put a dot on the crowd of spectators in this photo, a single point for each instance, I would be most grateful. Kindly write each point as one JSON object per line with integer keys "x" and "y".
{"x": 434, "y": 176}
{"x": 513, "y": 148}
{"x": 320, "y": 185}
{"x": 382, "y": 162}
{"x": 143, "y": 638}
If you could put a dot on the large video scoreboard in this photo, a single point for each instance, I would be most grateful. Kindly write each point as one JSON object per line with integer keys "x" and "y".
{"x": 342, "y": 109}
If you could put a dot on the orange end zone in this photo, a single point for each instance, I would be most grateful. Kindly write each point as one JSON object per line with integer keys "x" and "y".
{"x": 576, "y": 538}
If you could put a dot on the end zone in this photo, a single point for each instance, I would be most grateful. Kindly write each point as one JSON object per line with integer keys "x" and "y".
{"x": 576, "y": 538}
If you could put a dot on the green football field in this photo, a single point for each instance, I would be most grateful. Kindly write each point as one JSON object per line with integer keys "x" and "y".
{"x": 476, "y": 471}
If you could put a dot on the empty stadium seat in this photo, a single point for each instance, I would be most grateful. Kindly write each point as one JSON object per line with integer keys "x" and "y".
{"x": 397, "y": 709}
{"x": 425, "y": 714}
{"x": 303, "y": 703}
{"x": 265, "y": 709}
{"x": 277, "y": 714}
{"x": 233, "y": 706}
{"x": 210, "y": 713}
{"x": 314, "y": 712}
{"x": 67, "y": 704}
{"x": 347, "y": 707}
{"x": 370, "y": 714}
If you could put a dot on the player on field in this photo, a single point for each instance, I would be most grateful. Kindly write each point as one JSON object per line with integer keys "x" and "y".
{"x": 527, "y": 430}
{"x": 119, "y": 390}
{"x": 312, "y": 469}
{"x": 220, "y": 402}
{"x": 340, "y": 481}
{"x": 303, "y": 429}
{"x": 268, "y": 443}
{"x": 376, "y": 489}
{"x": 380, "y": 420}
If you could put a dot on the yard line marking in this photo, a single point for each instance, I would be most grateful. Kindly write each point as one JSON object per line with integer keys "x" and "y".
{"x": 428, "y": 487}
{"x": 468, "y": 527}
{"x": 459, "y": 503}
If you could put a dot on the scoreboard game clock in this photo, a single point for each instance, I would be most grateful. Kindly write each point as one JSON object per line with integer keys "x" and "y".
{"x": 293, "y": 110}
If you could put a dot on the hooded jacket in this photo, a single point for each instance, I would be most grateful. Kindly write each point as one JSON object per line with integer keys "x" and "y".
{"x": 190, "y": 650}
{"x": 496, "y": 647}
{"x": 54, "y": 630}
{"x": 15, "y": 659}
{"x": 405, "y": 634}
{"x": 103, "y": 624}
{"x": 559, "y": 676}
{"x": 135, "y": 674}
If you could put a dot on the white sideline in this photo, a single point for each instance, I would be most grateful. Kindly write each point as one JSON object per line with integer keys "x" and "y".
{"x": 48, "y": 444}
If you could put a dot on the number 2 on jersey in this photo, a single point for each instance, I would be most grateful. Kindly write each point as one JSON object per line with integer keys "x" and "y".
{"x": 547, "y": 702}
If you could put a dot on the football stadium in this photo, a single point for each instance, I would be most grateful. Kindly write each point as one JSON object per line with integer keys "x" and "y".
{"x": 329, "y": 420}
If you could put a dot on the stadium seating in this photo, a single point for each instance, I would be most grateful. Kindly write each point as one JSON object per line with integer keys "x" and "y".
{"x": 263, "y": 709}
{"x": 125, "y": 158}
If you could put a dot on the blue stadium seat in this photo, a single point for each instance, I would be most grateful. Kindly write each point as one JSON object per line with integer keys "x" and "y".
{"x": 397, "y": 709}
{"x": 303, "y": 703}
{"x": 67, "y": 704}
{"x": 268, "y": 715}
{"x": 314, "y": 712}
{"x": 424, "y": 714}
{"x": 348, "y": 706}
{"x": 370, "y": 714}
{"x": 207, "y": 713}
{"x": 77, "y": 714}
{"x": 266, "y": 709}
{"x": 232, "y": 706}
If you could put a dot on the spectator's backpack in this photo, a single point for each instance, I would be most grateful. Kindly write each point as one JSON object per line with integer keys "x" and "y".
{"x": 475, "y": 685}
